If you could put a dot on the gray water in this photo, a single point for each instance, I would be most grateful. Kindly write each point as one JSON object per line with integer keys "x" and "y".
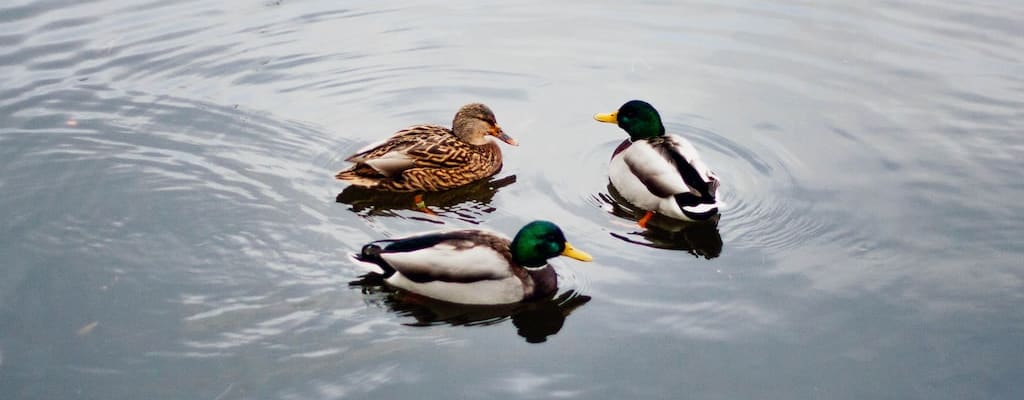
{"x": 171, "y": 227}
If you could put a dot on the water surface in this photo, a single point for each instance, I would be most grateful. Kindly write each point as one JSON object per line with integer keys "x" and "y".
{"x": 172, "y": 227}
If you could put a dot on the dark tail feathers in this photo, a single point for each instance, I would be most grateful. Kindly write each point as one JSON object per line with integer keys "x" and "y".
{"x": 371, "y": 253}
{"x": 688, "y": 199}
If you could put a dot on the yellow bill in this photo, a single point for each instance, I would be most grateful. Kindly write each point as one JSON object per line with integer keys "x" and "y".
{"x": 611, "y": 118}
{"x": 571, "y": 252}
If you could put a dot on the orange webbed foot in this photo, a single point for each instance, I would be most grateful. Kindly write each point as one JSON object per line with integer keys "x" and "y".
{"x": 422, "y": 206}
{"x": 647, "y": 217}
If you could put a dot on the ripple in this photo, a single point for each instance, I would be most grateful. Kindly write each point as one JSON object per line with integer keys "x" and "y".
{"x": 167, "y": 175}
{"x": 765, "y": 206}
{"x": 175, "y": 170}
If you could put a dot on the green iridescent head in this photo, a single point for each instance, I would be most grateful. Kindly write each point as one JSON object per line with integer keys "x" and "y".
{"x": 638, "y": 118}
{"x": 538, "y": 241}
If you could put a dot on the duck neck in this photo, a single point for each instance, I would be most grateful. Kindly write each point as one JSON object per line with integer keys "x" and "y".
{"x": 545, "y": 281}
{"x": 646, "y": 130}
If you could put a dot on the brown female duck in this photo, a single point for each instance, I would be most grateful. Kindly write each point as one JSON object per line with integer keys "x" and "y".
{"x": 430, "y": 157}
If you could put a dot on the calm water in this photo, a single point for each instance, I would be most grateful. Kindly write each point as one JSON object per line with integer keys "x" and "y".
{"x": 172, "y": 229}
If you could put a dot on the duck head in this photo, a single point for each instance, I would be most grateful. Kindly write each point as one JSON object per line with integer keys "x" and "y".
{"x": 638, "y": 118}
{"x": 474, "y": 122}
{"x": 539, "y": 241}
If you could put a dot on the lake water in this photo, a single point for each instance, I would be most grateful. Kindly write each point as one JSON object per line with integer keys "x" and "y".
{"x": 172, "y": 229}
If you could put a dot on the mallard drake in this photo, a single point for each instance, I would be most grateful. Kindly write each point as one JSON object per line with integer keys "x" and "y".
{"x": 659, "y": 172}
{"x": 474, "y": 266}
{"x": 427, "y": 158}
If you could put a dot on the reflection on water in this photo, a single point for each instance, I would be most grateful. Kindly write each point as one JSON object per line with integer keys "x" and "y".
{"x": 467, "y": 203}
{"x": 534, "y": 320}
{"x": 698, "y": 238}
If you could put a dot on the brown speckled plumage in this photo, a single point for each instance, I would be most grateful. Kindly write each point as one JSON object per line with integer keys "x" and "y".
{"x": 431, "y": 157}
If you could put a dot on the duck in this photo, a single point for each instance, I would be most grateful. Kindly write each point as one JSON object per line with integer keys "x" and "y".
{"x": 474, "y": 266}
{"x": 659, "y": 172}
{"x": 430, "y": 158}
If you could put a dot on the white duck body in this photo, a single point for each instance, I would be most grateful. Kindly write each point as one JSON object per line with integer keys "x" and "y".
{"x": 665, "y": 174}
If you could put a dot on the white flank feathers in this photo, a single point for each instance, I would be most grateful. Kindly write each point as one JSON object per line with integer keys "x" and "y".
{"x": 501, "y": 288}
{"x": 642, "y": 159}
{"x": 503, "y": 291}
{"x": 452, "y": 261}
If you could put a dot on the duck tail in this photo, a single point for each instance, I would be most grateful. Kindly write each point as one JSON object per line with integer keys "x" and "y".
{"x": 697, "y": 208}
{"x": 359, "y": 175}
{"x": 370, "y": 253}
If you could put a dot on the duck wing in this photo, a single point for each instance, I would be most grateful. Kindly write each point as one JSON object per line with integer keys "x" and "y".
{"x": 669, "y": 166}
{"x": 414, "y": 147}
{"x": 454, "y": 256}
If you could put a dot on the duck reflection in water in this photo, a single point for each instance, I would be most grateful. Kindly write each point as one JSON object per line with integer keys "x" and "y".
{"x": 698, "y": 238}
{"x": 466, "y": 203}
{"x": 534, "y": 320}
